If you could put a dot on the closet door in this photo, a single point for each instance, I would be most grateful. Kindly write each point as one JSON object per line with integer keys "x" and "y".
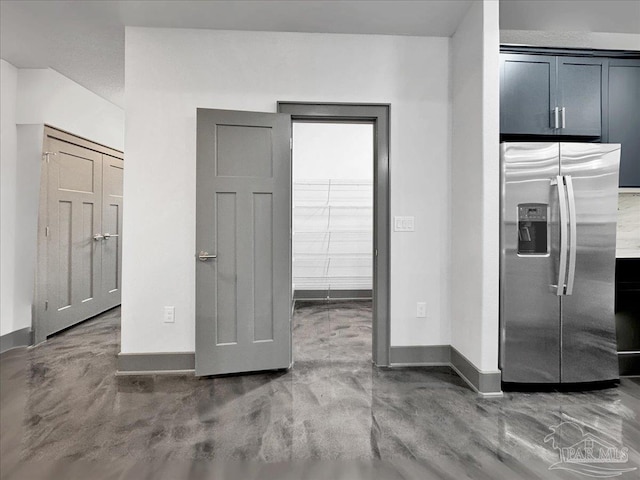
{"x": 112, "y": 171}
{"x": 74, "y": 246}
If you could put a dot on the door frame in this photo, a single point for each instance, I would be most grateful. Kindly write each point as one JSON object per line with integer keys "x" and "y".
{"x": 379, "y": 115}
{"x": 39, "y": 305}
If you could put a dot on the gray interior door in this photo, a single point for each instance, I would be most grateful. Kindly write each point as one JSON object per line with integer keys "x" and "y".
{"x": 530, "y": 306}
{"x": 74, "y": 217}
{"x": 588, "y": 321}
{"x": 112, "y": 204}
{"x": 243, "y": 218}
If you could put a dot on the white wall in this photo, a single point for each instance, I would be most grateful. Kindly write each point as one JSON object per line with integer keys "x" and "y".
{"x": 30, "y": 99}
{"x": 170, "y": 72}
{"x": 565, "y": 39}
{"x": 332, "y": 151}
{"x": 475, "y": 186}
{"x": 8, "y": 163}
{"x": 332, "y": 206}
{"x": 26, "y": 226}
{"x": 45, "y": 96}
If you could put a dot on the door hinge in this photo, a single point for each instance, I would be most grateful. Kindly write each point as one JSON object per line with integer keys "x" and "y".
{"x": 291, "y": 144}
{"x": 376, "y": 252}
{"x": 46, "y": 231}
{"x": 46, "y": 155}
{"x": 46, "y": 304}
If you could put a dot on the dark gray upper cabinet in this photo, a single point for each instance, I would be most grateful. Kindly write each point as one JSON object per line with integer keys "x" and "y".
{"x": 527, "y": 94}
{"x": 550, "y": 95}
{"x": 624, "y": 117}
{"x": 580, "y": 88}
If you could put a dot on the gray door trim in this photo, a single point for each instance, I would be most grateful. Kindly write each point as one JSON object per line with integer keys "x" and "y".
{"x": 379, "y": 115}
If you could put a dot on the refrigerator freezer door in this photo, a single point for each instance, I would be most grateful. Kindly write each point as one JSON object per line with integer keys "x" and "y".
{"x": 588, "y": 321}
{"x": 530, "y": 316}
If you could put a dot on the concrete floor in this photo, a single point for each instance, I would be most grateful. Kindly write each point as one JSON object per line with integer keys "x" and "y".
{"x": 66, "y": 415}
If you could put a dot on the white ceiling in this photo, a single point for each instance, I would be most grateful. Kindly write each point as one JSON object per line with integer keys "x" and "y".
{"x": 84, "y": 40}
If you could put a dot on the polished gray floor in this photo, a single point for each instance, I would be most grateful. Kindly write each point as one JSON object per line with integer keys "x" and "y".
{"x": 65, "y": 414}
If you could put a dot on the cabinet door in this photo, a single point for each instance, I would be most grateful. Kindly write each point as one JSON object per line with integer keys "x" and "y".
{"x": 624, "y": 117}
{"x": 580, "y": 87}
{"x": 527, "y": 94}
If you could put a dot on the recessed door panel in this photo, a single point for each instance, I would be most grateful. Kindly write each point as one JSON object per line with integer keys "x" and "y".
{"x": 527, "y": 94}
{"x": 87, "y": 259}
{"x": 580, "y": 99}
{"x": 65, "y": 254}
{"x": 255, "y": 157}
{"x": 76, "y": 173}
{"x": 226, "y": 291}
{"x": 110, "y": 270}
{"x": 263, "y": 267}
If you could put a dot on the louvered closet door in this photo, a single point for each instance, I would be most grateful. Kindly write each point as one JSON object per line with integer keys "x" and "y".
{"x": 74, "y": 217}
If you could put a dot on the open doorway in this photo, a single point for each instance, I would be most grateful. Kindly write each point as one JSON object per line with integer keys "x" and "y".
{"x": 332, "y": 210}
{"x": 349, "y": 276}
{"x": 332, "y": 242}
{"x": 243, "y": 273}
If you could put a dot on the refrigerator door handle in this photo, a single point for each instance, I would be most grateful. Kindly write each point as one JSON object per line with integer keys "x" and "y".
{"x": 573, "y": 241}
{"x": 562, "y": 264}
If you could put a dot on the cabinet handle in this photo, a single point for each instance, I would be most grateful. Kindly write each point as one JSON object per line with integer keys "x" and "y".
{"x": 556, "y": 120}
{"x": 564, "y": 118}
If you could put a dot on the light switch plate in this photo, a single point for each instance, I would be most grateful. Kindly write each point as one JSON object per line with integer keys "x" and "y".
{"x": 403, "y": 224}
{"x": 421, "y": 310}
{"x": 169, "y": 314}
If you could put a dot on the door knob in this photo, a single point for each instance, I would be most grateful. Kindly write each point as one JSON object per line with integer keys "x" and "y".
{"x": 97, "y": 237}
{"x": 107, "y": 236}
{"x": 204, "y": 256}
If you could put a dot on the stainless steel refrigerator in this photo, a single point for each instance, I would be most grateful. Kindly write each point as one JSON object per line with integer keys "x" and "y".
{"x": 558, "y": 238}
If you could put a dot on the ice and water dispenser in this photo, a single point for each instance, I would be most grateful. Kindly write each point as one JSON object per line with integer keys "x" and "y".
{"x": 532, "y": 229}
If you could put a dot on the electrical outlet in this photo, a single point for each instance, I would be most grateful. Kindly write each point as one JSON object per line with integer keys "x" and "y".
{"x": 169, "y": 314}
{"x": 403, "y": 224}
{"x": 421, "y": 310}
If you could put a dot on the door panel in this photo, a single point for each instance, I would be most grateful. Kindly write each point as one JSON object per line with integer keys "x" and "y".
{"x": 111, "y": 266}
{"x": 75, "y": 210}
{"x": 527, "y": 94}
{"x": 530, "y": 346}
{"x": 243, "y": 297}
{"x": 226, "y": 276}
{"x": 263, "y": 263}
{"x": 588, "y": 321}
{"x": 580, "y": 82}
{"x": 624, "y": 117}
